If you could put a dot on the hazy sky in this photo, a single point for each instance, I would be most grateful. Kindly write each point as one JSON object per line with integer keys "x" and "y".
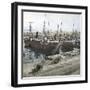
{"x": 37, "y": 20}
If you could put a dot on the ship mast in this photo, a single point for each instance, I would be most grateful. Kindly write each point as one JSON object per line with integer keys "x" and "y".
{"x": 30, "y": 30}
{"x": 73, "y": 28}
{"x": 74, "y": 32}
{"x": 44, "y": 28}
{"x": 48, "y": 25}
{"x": 61, "y": 28}
{"x": 57, "y": 27}
{"x": 30, "y": 27}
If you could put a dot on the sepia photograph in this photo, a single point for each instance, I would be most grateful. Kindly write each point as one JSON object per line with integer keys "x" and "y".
{"x": 51, "y": 44}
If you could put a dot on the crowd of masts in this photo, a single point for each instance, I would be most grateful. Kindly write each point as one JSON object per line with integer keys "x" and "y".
{"x": 58, "y": 34}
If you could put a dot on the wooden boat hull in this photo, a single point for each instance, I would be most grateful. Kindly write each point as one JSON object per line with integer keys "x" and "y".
{"x": 45, "y": 48}
{"x": 50, "y": 48}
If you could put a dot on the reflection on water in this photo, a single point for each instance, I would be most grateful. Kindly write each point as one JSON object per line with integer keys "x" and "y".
{"x": 31, "y": 56}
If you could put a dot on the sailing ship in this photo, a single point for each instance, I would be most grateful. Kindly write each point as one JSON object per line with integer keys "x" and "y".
{"x": 49, "y": 45}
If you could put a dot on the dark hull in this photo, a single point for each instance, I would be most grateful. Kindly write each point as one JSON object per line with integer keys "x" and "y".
{"x": 51, "y": 48}
{"x": 45, "y": 48}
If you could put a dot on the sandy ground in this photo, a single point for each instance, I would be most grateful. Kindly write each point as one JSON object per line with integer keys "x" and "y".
{"x": 67, "y": 66}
